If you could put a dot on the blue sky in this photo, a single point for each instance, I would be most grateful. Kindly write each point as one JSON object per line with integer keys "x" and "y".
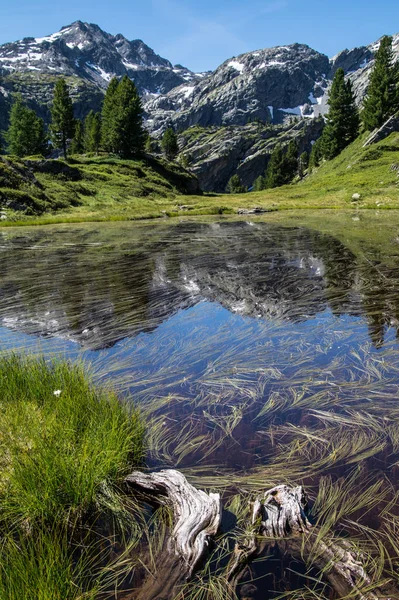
{"x": 201, "y": 34}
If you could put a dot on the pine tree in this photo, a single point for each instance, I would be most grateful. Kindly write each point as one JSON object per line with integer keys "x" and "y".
{"x": 291, "y": 161}
{"x": 148, "y": 144}
{"x": 259, "y": 184}
{"x": 382, "y": 98}
{"x": 234, "y": 185}
{"x": 62, "y": 120}
{"x": 303, "y": 163}
{"x": 108, "y": 119}
{"x": 275, "y": 175}
{"x": 169, "y": 144}
{"x": 92, "y": 132}
{"x": 77, "y": 146}
{"x": 316, "y": 154}
{"x": 26, "y": 134}
{"x": 122, "y": 124}
{"x": 343, "y": 117}
{"x": 129, "y": 122}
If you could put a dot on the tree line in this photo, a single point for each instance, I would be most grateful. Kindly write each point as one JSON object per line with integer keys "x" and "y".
{"x": 343, "y": 123}
{"x": 118, "y": 128}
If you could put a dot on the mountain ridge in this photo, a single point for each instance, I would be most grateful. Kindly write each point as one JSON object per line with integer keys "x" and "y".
{"x": 271, "y": 86}
{"x": 268, "y": 84}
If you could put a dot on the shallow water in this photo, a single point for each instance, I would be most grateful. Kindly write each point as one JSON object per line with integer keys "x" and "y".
{"x": 262, "y": 351}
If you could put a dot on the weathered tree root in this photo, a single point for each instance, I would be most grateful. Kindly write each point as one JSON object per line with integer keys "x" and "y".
{"x": 280, "y": 517}
{"x": 196, "y": 517}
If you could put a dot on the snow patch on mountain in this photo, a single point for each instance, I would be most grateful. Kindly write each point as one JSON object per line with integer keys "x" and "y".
{"x": 236, "y": 65}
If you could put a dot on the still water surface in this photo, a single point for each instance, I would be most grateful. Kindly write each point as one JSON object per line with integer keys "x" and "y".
{"x": 261, "y": 351}
{"x": 222, "y": 328}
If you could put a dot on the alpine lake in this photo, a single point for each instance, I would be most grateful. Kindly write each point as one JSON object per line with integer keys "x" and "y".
{"x": 261, "y": 349}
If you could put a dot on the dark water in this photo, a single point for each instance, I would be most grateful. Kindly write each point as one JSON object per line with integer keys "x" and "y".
{"x": 260, "y": 352}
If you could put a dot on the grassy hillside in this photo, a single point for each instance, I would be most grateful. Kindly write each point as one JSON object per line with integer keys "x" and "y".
{"x": 104, "y": 188}
{"x": 372, "y": 172}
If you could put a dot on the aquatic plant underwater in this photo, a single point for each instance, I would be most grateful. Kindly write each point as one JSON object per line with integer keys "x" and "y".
{"x": 259, "y": 354}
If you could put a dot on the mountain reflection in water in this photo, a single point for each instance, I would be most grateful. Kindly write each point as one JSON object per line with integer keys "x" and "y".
{"x": 65, "y": 284}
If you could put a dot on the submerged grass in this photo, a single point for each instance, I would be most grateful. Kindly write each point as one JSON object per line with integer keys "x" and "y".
{"x": 239, "y": 403}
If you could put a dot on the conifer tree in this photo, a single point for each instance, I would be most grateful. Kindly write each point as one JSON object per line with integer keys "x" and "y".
{"x": 122, "y": 119}
{"x": 130, "y": 133}
{"x": 382, "y": 98}
{"x": 234, "y": 185}
{"x": 108, "y": 117}
{"x": 26, "y": 133}
{"x": 148, "y": 144}
{"x": 303, "y": 163}
{"x": 342, "y": 125}
{"x": 77, "y": 146}
{"x": 169, "y": 144}
{"x": 291, "y": 161}
{"x": 259, "y": 184}
{"x": 62, "y": 120}
{"x": 275, "y": 172}
{"x": 92, "y": 132}
{"x": 316, "y": 155}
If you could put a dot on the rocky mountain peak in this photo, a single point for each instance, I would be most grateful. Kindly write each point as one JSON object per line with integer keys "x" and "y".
{"x": 86, "y": 51}
{"x": 265, "y": 85}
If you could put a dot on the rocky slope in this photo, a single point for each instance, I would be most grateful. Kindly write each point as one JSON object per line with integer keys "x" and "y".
{"x": 267, "y": 85}
{"x": 214, "y": 154}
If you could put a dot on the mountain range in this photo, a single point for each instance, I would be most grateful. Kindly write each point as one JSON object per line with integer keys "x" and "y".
{"x": 270, "y": 86}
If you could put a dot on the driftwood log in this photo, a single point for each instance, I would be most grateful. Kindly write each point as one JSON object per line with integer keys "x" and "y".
{"x": 196, "y": 517}
{"x": 280, "y": 518}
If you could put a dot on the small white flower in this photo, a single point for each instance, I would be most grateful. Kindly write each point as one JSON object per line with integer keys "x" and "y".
{"x": 57, "y": 392}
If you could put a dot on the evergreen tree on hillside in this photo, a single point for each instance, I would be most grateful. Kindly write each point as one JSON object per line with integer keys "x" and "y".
{"x": 77, "y": 142}
{"x": 122, "y": 119}
{"x": 169, "y": 144}
{"x": 382, "y": 98}
{"x": 259, "y": 184}
{"x": 92, "y": 132}
{"x": 275, "y": 172}
{"x": 62, "y": 120}
{"x": 316, "y": 155}
{"x": 129, "y": 121}
{"x": 342, "y": 125}
{"x": 235, "y": 186}
{"x": 303, "y": 163}
{"x": 291, "y": 161}
{"x": 26, "y": 133}
{"x": 108, "y": 121}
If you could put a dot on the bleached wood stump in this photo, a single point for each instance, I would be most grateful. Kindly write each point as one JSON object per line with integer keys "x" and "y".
{"x": 280, "y": 517}
{"x": 196, "y": 518}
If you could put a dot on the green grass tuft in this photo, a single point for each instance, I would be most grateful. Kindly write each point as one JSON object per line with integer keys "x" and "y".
{"x": 64, "y": 446}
